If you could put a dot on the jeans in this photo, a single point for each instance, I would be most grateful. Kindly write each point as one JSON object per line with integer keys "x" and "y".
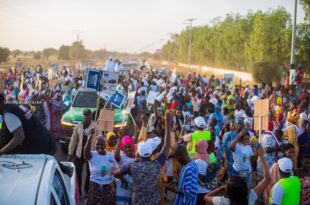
{"x": 248, "y": 180}
{"x": 246, "y": 176}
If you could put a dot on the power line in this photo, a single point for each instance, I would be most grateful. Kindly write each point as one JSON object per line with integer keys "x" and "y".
{"x": 27, "y": 18}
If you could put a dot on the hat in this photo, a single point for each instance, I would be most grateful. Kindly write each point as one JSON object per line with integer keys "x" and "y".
{"x": 200, "y": 122}
{"x": 247, "y": 121}
{"x": 145, "y": 149}
{"x": 285, "y": 165}
{"x": 155, "y": 141}
{"x": 110, "y": 134}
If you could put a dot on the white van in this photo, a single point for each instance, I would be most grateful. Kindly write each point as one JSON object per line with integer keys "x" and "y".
{"x": 37, "y": 179}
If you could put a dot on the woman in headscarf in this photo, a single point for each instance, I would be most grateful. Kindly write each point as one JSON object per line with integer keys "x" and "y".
{"x": 55, "y": 111}
{"x": 291, "y": 134}
{"x": 111, "y": 142}
{"x": 278, "y": 107}
{"x": 124, "y": 155}
{"x": 202, "y": 160}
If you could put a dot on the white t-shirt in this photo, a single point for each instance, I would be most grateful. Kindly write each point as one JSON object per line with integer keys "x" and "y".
{"x": 102, "y": 168}
{"x": 238, "y": 113}
{"x": 202, "y": 170}
{"x": 221, "y": 200}
{"x": 277, "y": 194}
{"x": 242, "y": 156}
{"x": 12, "y": 121}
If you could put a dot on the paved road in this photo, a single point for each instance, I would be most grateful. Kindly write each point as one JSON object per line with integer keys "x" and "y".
{"x": 63, "y": 157}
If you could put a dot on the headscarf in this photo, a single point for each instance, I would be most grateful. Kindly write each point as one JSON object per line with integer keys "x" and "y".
{"x": 293, "y": 117}
{"x": 201, "y": 152}
{"x": 127, "y": 140}
{"x": 108, "y": 147}
{"x": 279, "y": 101}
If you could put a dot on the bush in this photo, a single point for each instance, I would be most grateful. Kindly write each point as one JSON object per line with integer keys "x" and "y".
{"x": 265, "y": 72}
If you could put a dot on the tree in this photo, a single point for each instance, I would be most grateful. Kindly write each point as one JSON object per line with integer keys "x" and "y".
{"x": 47, "y": 52}
{"x": 306, "y": 6}
{"x": 4, "y": 54}
{"x": 77, "y": 50}
{"x": 63, "y": 52}
{"x": 261, "y": 72}
{"x": 16, "y": 53}
{"x": 37, "y": 55}
{"x": 237, "y": 42}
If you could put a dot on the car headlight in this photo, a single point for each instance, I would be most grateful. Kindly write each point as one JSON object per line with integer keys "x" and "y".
{"x": 66, "y": 123}
{"x": 120, "y": 125}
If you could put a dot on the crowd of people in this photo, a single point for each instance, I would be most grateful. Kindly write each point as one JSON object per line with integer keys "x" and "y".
{"x": 196, "y": 139}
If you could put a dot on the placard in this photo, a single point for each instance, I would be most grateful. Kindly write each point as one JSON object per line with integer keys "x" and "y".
{"x": 118, "y": 99}
{"x": 152, "y": 95}
{"x": 92, "y": 80}
{"x": 105, "y": 95}
{"x": 261, "y": 107}
{"x": 131, "y": 100}
{"x": 109, "y": 82}
{"x": 106, "y": 120}
{"x": 261, "y": 114}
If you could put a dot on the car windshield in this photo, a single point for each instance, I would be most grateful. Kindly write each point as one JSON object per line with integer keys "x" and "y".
{"x": 85, "y": 99}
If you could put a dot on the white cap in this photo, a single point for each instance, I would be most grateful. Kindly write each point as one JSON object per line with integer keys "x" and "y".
{"x": 155, "y": 141}
{"x": 200, "y": 122}
{"x": 145, "y": 149}
{"x": 285, "y": 165}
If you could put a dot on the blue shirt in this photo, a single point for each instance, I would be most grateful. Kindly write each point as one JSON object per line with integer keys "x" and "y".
{"x": 226, "y": 147}
{"x": 188, "y": 185}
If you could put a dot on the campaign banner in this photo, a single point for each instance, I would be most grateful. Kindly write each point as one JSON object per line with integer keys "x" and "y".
{"x": 131, "y": 100}
{"x": 109, "y": 82}
{"x": 92, "y": 80}
{"x": 118, "y": 99}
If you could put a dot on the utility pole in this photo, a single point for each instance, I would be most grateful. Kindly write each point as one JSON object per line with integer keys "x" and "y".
{"x": 161, "y": 44}
{"x": 77, "y": 32}
{"x": 190, "y": 21}
{"x": 170, "y": 48}
{"x": 294, "y": 33}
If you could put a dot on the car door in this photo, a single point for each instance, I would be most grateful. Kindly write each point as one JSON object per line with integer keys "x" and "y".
{"x": 59, "y": 194}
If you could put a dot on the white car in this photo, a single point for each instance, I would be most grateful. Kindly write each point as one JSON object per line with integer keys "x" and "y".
{"x": 37, "y": 179}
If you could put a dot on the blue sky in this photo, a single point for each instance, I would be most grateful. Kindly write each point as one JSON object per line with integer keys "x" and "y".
{"x": 120, "y": 25}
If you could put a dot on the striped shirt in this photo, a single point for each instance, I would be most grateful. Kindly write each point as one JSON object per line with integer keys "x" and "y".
{"x": 188, "y": 185}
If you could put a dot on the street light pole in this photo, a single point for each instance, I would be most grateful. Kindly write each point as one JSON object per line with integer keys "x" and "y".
{"x": 170, "y": 48}
{"x": 190, "y": 43}
{"x": 294, "y": 33}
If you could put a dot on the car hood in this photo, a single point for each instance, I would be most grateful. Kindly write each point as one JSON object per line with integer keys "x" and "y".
{"x": 76, "y": 114}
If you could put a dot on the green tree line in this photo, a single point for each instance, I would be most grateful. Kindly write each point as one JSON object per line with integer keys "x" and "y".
{"x": 239, "y": 42}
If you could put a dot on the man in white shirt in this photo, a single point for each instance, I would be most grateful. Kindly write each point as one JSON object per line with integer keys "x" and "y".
{"x": 110, "y": 65}
{"x": 118, "y": 66}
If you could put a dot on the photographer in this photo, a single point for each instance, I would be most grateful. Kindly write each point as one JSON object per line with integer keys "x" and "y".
{"x": 22, "y": 132}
